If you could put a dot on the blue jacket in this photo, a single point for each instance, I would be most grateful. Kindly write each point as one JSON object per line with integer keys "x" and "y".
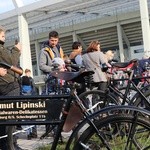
{"x": 143, "y": 63}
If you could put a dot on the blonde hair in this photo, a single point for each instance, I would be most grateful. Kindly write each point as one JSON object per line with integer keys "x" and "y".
{"x": 109, "y": 54}
{"x": 145, "y": 56}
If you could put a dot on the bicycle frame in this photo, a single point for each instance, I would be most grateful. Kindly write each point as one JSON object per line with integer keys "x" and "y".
{"x": 129, "y": 85}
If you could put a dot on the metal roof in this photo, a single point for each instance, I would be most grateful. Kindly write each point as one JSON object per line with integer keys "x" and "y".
{"x": 48, "y": 14}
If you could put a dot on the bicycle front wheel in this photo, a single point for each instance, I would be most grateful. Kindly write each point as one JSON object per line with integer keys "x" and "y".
{"x": 117, "y": 132}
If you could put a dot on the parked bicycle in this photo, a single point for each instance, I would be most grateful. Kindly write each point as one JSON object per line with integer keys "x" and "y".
{"x": 129, "y": 93}
{"x": 53, "y": 88}
{"x": 120, "y": 127}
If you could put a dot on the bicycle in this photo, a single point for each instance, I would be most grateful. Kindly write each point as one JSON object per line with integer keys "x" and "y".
{"x": 96, "y": 100}
{"x": 124, "y": 95}
{"x": 107, "y": 113}
{"x": 114, "y": 95}
{"x": 140, "y": 93}
{"x": 129, "y": 117}
{"x": 85, "y": 97}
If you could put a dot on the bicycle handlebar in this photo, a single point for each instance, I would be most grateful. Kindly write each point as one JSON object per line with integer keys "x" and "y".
{"x": 76, "y": 66}
{"x": 11, "y": 67}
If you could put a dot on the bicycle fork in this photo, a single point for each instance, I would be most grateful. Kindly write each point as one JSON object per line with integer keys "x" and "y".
{"x": 91, "y": 123}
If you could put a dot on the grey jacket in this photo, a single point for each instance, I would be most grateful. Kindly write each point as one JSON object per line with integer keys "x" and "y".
{"x": 98, "y": 58}
{"x": 45, "y": 60}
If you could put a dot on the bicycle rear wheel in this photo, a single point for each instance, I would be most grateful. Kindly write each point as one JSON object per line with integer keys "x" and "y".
{"x": 118, "y": 132}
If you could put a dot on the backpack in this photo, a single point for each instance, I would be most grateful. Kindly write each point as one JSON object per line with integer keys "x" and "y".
{"x": 26, "y": 85}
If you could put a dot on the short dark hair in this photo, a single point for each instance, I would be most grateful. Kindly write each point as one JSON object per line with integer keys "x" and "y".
{"x": 27, "y": 70}
{"x": 53, "y": 34}
{"x": 75, "y": 45}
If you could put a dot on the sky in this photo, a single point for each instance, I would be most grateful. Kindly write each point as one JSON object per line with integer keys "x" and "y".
{"x": 6, "y": 5}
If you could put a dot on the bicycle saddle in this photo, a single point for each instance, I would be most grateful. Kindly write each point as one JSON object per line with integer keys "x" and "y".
{"x": 71, "y": 76}
{"x": 125, "y": 64}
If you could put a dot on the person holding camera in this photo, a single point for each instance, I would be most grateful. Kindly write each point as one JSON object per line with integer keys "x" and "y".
{"x": 9, "y": 86}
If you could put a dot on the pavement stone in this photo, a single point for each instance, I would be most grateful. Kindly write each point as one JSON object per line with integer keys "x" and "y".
{"x": 34, "y": 143}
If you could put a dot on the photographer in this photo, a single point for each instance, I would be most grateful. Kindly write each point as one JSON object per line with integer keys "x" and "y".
{"x": 8, "y": 86}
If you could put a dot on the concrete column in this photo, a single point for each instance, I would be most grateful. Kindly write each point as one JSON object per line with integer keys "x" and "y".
{"x": 25, "y": 60}
{"x": 128, "y": 51}
{"x": 82, "y": 42}
{"x": 145, "y": 25}
{"x": 121, "y": 50}
{"x": 74, "y": 36}
{"x": 37, "y": 49}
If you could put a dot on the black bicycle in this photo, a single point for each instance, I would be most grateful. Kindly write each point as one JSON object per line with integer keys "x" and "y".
{"x": 120, "y": 127}
{"x": 140, "y": 95}
{"x": 125, "y": 126}
{"x": 129, "y": 93}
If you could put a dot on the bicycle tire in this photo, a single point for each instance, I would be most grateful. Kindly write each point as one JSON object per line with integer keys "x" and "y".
{"x": 97, "y": 97}
{"x": 115, "y": 131}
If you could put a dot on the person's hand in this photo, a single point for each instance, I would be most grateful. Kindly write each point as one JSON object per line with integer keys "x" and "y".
{"x": 61, "y": 68}
{"x": 18, "y": 45}
{"x": 3, "y": 71}
{"x": 109, "y": 65}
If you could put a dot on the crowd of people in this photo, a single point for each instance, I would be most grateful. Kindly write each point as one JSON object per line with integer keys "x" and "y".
{"x": 50, "y": 54}
{"x": 92, "y": 58}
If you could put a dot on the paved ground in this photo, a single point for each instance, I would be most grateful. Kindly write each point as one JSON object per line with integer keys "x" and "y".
{"x": 34, "y": 143}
